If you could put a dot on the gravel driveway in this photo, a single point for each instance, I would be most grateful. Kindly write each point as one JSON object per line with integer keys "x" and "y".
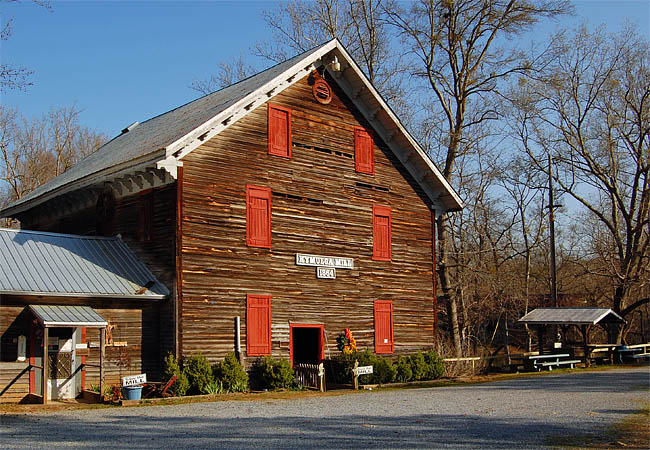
{"x": 517, "y": 413}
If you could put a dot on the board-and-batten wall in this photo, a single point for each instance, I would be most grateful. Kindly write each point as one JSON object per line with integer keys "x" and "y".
{"x": 319, "y": 205}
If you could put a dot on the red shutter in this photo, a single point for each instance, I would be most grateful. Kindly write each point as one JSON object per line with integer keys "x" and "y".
{"x": 279, "y": 131}
{"x": 258, "y": 216}
{"x": 381, "y": 233}
{"x": 383, "y": 326}
{"x": 258, "y": 325}
{"x": 364, "y": 155}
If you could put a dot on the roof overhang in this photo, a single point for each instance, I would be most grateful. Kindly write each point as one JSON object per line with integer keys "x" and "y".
{"x": 67, "y": 316}
{"x": 141, "y": 165}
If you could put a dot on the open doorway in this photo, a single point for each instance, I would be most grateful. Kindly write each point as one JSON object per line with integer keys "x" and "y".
{"x": 306, "y": 344}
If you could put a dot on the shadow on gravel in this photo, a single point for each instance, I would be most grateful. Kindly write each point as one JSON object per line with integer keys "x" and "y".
{"x": 141, "y": 431}
{"x": 609, "y": 381}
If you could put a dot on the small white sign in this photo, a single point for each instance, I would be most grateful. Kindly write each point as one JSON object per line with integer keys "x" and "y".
{"x": 363, "y": 370}
{"x": 326, "y": 272}
{"x": 134, "y": 380}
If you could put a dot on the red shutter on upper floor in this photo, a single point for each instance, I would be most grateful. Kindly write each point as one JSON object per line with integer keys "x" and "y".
{"x": 381, "y": 233}
{"x": 279, "y": 131}
{"x": 258, "y": 325}
{"x": 258, "y": 216}
{"x": 364, "y": 155}
{"x": 383, "y": 326}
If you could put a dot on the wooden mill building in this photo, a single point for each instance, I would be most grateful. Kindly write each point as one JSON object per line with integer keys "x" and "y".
{"x": 288, "y": 206}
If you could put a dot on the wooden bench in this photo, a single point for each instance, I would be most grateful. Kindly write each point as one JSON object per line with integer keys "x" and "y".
{"x": 641, "y": 355}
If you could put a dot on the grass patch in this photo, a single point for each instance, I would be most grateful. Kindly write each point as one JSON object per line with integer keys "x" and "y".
{"x": 632, "y": 432}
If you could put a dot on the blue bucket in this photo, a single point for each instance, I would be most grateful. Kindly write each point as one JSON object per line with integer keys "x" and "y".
{"x": 132, "y": 392}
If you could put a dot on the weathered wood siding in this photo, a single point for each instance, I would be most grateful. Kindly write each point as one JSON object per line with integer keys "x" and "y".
{"x": 320, "y": 205}
{"x": 14, "y": 376}
{"x": 136, "y": 323}
{"x": 139, "y": 328}
{"x": 158, "y": 254}
{"x": 14, "y": 381}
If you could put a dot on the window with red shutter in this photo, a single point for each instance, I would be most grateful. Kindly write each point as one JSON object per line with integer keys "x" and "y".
{"x": 279, "y": 131}
{"x": 364, "y": 155}
{"x": 258, "y": 325}
{"x": 381, "y": 233}
{"x": 258, "y": 216}
{"x": 383, "y": 326}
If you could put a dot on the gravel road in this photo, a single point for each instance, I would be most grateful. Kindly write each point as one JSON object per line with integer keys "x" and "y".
{"x": 517, "y": 413}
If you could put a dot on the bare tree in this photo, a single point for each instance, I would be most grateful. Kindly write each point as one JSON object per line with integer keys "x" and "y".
{"x": 300, "y": 25}
{"x": 33, "y": 151}
{"x": 590, "y": 109}
{"x": 11, "y": 76}
{"x": 461, "y": 52}
{"x": 227, "y": 73}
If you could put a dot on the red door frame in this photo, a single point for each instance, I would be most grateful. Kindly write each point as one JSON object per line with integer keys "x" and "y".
{"x": 321, "y": 339}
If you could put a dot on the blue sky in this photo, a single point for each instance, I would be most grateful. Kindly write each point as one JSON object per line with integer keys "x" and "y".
{"x": 121, "y": 62}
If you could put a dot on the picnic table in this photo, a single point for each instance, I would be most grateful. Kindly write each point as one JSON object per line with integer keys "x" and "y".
{"x": 634, "y": 352}
{"x": 603, "y": 352}
{"x": 538, "y": 362}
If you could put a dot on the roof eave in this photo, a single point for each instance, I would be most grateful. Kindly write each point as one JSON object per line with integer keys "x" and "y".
{"x": 87, "y": 295}
{"x": 148, "y": 160}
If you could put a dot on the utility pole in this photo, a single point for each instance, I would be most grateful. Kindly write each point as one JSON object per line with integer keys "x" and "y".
{"x": 551, "y": 217}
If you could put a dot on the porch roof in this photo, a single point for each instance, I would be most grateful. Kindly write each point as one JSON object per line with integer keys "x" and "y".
{"x": 68, "y": 316}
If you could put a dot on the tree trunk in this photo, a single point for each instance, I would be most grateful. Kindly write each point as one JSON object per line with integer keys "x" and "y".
{"x": 445, "y": 284}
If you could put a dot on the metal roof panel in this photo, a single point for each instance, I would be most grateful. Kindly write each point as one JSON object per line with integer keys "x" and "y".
{"x": 580, "y": 316}
{"x": 58, "y": 315}
{"x": 40, "y": 263}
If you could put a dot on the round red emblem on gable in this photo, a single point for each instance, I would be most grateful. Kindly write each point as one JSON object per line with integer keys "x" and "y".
{"x": 322, "y": 91}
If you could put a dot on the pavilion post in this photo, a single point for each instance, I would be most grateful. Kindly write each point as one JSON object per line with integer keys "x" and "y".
{"x": 585, "y": 340}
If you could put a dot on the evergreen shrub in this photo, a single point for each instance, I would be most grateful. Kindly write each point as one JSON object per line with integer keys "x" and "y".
{"x": 198, "y": 371}
{"x": 231, "y": 374}
{"x": 275, "y": 374}
{"x": 404, "y": 372}
{"x": 171, "y": 368}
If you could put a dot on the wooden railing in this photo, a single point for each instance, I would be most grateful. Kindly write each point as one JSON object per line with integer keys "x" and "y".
{"x": 310, "y": 375}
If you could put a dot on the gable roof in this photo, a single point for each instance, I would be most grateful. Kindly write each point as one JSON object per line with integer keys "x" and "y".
{"x": 66, "y": 265}
{"x": 567, "y": 316}
{"x": 165, "y": 139}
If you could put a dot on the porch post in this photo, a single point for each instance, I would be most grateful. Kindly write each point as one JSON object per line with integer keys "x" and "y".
{"x": 102, "y": 343}
{"x": 46, "y": 364}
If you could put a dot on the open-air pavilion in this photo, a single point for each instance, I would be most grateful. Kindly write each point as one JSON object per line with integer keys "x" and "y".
{"x": 584, "y": 319}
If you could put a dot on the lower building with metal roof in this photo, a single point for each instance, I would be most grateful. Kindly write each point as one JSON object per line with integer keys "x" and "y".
{"x": 74, "y": 310}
